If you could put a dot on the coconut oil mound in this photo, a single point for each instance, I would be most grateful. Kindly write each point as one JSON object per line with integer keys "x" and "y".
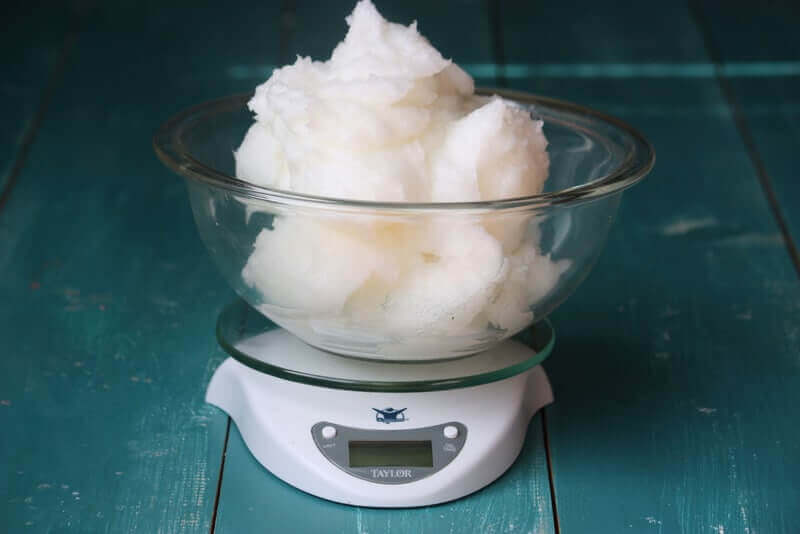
{"x": 388, "y": 119}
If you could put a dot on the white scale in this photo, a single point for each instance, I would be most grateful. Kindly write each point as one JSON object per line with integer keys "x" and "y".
{"x": 372, "y": 433}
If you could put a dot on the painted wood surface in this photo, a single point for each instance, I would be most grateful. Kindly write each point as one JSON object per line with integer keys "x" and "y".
{"x": 676, "y": 375}
{"x": 585, "y": 32}
{"x": 676, "y": 372}
{"x": 27, "y": 73}
{"x": 108, "y": 298}
{"x": 251, "y": 499}
{"x": 770, "y": 108}
{"x": 769, "y": 101}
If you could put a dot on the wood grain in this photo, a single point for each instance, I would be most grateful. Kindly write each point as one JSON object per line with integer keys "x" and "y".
{"x": 109, "y": 299}
{"x": 676, "y": 376}
{"x": 30, "y": 50}
{"x": 676, "y": 372}
{"x": 768, "y": 100}
{"x": 253, "y": 500}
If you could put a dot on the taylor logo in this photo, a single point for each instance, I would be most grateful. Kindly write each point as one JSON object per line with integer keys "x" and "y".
{"x": 390, "y": 473}
{"x": 390, "y": 415}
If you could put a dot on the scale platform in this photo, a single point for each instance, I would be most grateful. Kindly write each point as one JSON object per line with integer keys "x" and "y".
{"x": 377, "y": 433}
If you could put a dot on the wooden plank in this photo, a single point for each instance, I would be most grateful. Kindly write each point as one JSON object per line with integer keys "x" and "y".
{"x": 742, "y": 34}
{"x": 768, "y": 97}
{"x": 109, "y": 297}
{"x": 29, "y": 52}
{"x": 676, "y": 374}
{"x": 252, "y": 500}
{"x": 592, "y": 32}
{"x": 771, "y": 108}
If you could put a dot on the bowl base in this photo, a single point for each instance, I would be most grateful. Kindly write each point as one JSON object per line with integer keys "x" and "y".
{"x": 257, "y": 342}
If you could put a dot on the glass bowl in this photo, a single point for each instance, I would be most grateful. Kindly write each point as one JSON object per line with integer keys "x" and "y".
{"x": 407, "y": 281}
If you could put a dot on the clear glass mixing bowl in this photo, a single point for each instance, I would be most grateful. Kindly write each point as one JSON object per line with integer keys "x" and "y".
{"x": 403, "y": 281}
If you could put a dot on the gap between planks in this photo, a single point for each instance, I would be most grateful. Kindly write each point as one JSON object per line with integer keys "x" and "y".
{"x": 218, "y": 494}
{"x": 219, "y": 477}
{"x": 29, "y": 135}
{"x": 288, "y": 22}
{"x": 739, "y": 119}
{"x": 550, "y": 474}
{"x": 495, "y": 15}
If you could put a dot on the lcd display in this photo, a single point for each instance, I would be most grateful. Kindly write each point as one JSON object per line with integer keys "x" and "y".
{"x": 391, "y": 454}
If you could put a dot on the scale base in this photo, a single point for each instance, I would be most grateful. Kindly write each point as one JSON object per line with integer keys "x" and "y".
{"x": 275, "y": 416}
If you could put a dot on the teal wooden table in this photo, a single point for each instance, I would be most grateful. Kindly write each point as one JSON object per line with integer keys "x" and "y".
{"x": 677, "y": 371}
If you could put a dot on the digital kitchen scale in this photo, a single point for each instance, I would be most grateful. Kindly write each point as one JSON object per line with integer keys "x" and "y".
{"x": 378, "y": 433}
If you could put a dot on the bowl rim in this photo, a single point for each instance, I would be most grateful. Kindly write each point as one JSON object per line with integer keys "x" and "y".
{"x": 637, "y": 162}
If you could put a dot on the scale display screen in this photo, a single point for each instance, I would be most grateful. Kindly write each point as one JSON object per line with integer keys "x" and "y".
{"x": 391, "y": 453}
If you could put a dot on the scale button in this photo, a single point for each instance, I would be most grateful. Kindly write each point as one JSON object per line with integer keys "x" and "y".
{"x": 328, "y": 432}
{"x": 450, "y": 432}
